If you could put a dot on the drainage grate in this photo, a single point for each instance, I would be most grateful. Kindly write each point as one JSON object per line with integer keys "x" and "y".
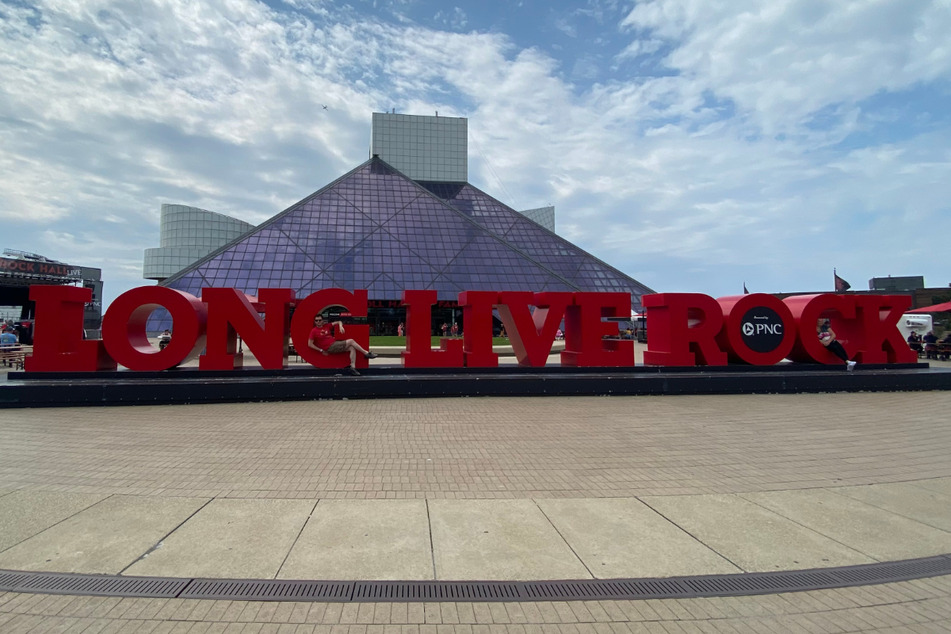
{"x": 269, "y": 590}
{"x": 94, "y": 585}
{"x": 10, "y": 580}
{"x": 436, "y": 591}
{"x": 585, "y": 589}
{"x": 892, "y": 571}
{"x": 462, "y": 591}
{"x": 758, "y": 583}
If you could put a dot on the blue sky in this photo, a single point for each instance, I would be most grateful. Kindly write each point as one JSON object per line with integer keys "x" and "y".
{"x": 693, "y": 144}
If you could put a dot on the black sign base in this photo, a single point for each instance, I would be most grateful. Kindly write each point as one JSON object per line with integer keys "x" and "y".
{"x": 188, "y": 385}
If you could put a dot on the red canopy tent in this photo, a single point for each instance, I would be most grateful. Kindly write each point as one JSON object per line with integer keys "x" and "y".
{"x": 937, "y": 308}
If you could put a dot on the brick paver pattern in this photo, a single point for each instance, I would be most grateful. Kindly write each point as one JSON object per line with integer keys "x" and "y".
{"x": 481, "y": 447}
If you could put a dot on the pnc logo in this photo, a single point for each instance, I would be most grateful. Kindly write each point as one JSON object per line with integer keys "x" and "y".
{"x": 761, "y": 328}
{"x": 750, "y": 329}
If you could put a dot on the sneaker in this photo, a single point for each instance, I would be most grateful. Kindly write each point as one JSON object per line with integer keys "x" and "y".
{"x": 371, "y": 355}
{"x": 352, "y": 370}
{"x": 850, "y": 365}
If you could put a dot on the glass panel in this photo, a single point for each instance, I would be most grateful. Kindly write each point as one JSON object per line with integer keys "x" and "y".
{"x": 375, "y": 229}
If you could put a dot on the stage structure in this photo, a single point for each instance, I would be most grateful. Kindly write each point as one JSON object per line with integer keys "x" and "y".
{"x": 20, "y": 270}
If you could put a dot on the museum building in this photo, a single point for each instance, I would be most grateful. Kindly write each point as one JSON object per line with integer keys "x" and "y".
{"x": 405, "y": 219}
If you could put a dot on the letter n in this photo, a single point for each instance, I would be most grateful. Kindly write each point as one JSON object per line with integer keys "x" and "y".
{"x": 230, "y": 313}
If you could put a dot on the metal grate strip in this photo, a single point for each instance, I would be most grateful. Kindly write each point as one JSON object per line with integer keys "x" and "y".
{"x": 602, "y": 589}
{"x": 894, "y": 571}
{"x": 98, "y": 585}
{"x": 436, "y": 591}
{"x": 10, "y": 580}
{"x": 757, "y": 583}
{"x": 463, "y": 591}
{"x": 268, "y": 590}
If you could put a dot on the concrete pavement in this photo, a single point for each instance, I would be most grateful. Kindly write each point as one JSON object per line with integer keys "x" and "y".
{"x": 520, "y": 488}
{"x": 653, "y": 536}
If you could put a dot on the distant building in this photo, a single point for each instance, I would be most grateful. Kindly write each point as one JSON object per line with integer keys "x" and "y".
{"x": 423, "y": 148}
{"x": 545, "y": 216}
{"x": 432, "y": 149}
{"x": 187, "y": 234}
{"x": 911, "y": 285}
{"x": 427, "y": 149}
{"x": 908, "y": 283}
{"x": 389, "y": 228}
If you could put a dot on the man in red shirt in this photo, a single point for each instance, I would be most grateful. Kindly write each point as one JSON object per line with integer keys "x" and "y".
{"x": 323, "y": 340}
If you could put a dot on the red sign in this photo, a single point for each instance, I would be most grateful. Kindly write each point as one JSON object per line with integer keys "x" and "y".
{"x": 685, "y": 329}
{"x": 693, "y": 329}
{"x": 31, "y": 267}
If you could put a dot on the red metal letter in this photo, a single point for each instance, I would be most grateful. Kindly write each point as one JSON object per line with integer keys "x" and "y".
{"x": 758, "y": 329}
{"x": 806, "y": 311}
{"x": 58, "y": 344}
{"x": 882, "y": 342}
{"x": 532, "y": 333}
{"x": 419, "y": 352}
{"x": 230, "y": 313}
{"x": 123, "y": 328}
{"x": 477, "y": 328}
{"x": 683, "y": 329}
{"x": 584, "y": 330}
{"x": 303, "y": 322}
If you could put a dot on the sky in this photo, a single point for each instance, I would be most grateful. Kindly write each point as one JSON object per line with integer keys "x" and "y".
{"x": 695, "y": 145}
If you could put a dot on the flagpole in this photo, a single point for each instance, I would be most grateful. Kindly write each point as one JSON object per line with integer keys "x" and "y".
{"x": 841, "y": 285}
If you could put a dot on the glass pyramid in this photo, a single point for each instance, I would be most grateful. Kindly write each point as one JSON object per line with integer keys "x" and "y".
{"x": 374, "y": 228}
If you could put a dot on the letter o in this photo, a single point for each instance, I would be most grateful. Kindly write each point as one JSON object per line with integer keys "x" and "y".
{"x": 731, "y": 338}
{"x": 123, "y": 328}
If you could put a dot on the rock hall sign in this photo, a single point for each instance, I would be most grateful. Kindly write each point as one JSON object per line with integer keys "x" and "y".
{"x": 686, "y": 329}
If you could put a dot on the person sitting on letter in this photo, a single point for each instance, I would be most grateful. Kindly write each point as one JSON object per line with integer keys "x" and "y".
{"x": 323, "y": 339}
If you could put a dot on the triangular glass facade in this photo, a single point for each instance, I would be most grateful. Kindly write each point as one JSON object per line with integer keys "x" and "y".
{"x": 581, "y": 270}
{"x": 374, "y": 228}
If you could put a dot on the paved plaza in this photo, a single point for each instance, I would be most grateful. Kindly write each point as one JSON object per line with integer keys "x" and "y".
{"x": 482, "y": 489}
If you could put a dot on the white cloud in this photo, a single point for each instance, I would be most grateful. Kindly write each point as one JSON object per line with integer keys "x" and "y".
{"x": 640, "y": 47}
{"x": 782, "y": 61}
{"x": 455, "y": 19}
{"x": 218, "y": 78}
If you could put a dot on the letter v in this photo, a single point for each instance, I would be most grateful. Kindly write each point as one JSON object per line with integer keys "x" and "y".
{"x": 532, "y": 334}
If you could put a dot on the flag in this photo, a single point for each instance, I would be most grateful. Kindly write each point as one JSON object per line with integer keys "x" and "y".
{"x": 840, "y": 285}
{"x": 745, "y": 292}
